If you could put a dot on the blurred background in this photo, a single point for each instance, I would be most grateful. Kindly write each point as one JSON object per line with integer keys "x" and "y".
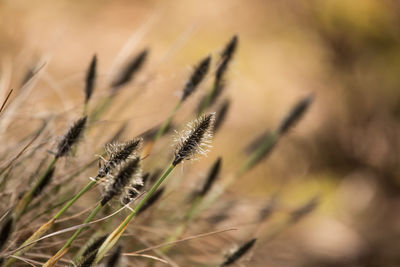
{"x": 345, "y": 151}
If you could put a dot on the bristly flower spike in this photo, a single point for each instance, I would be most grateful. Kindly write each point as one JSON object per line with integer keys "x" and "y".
{"x": 219, "y": 82}
{"x": 195, "y": 139}
{"x": 71, "y": 137}
{"x": 90, "y": 79}
{"x": 196, "y": 78}
{"x": 127, "y": 74}
{"x": 226, "y": 57}
{"x": 263, "y": 145}
{"x": 117, "y": 184}
{"x": 118, "y": 153}
{"x": 295, "y": 114}
{"x": 133, "y": 190}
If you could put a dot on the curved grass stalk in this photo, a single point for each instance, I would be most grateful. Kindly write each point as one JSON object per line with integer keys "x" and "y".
{"x": 117, "y": 233}
{"x": 49, "y": 224}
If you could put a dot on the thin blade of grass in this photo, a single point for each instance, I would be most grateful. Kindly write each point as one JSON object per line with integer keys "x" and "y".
{"x": 181, "y": 240}
{"x": 5, "y": 100}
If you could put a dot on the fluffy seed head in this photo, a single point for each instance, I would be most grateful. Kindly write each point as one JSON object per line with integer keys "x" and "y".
{"x": 239, "y": 253}
{"x": 117, "y": 183}
{"x": 295, "y": 114}
{"x": 118, "y": 153}
{"x": 197, "y": 76}
{"x": 90, "y": 79}
{"x": 133, "y": 190}
{"x": 128, "y": 72}
{"x": 71, "y": 137}
{"x": 195, "y": 139}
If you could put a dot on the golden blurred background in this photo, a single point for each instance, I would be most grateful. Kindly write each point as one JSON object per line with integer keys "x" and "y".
{"x": 345, "y": 150}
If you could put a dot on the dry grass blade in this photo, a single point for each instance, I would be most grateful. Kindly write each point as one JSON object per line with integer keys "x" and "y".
{"x": 28, "y": 261}
{"x": 69, "y": 229}
{"x": 23, "y": 149}
{"x": 5, "y": 100}
{"x": 146, "y": 256}
{"x": 182, "y": 240}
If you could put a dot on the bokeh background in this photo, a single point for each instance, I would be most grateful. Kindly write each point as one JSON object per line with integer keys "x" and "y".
{"x": 345, "y": 150}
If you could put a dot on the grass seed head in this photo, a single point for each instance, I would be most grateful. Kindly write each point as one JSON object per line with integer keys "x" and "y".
{"x": 230, "y": 48}
{"x": 295, "y": 114}
{"x": 196, "y": 78}
{"x": 90, "y": 79}
{"x": 118, "y": 152}
{"x": 226, "y": 58}
{"x": 71, "y": 137}
{"x": 195, "y": 139}
{"x": 129, "y": 71}
{"x": 132, "y": 192}
{"x": 116, "y": 184}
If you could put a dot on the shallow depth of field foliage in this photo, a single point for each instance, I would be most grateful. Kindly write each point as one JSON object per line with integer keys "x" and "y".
{"x": 199, "y": 133}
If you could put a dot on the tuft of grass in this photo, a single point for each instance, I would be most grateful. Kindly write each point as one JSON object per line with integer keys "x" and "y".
{"x": 191, "y": 142}
{"x": 127, "y": 190}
